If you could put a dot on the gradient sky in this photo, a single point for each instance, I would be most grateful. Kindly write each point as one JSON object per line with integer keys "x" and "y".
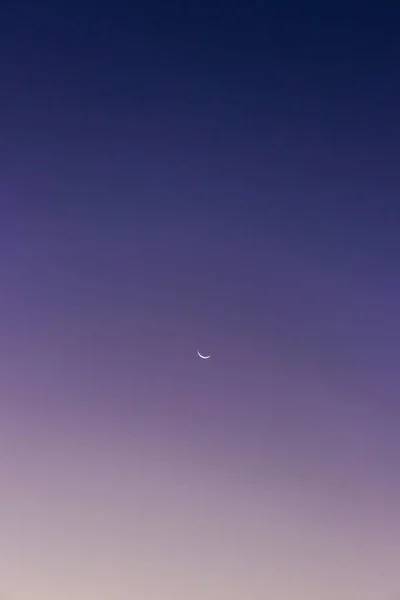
{"x": 213, "y": 177}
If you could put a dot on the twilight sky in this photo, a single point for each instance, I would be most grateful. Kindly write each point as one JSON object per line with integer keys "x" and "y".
{"x": 221, "y": 177}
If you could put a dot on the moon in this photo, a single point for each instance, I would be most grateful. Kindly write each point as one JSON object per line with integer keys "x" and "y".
{"x": 202, "y": 355}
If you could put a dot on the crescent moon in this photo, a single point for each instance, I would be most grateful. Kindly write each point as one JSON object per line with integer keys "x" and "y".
{"x": 202, "y": 355}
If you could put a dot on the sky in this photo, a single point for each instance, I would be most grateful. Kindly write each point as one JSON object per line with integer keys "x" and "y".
{"x": 222, "y": 178}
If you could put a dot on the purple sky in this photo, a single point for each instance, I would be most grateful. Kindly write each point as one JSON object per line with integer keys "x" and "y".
{"x": 168, "y": 185}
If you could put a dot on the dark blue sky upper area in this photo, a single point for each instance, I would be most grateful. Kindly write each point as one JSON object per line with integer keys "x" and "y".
{"x": 264, "y": 111}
